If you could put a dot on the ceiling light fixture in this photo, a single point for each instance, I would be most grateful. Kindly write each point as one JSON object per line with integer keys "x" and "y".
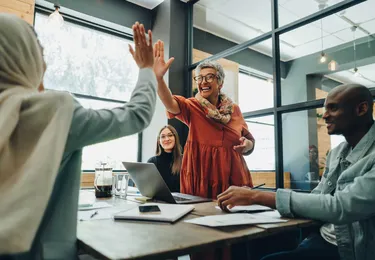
{"x": 356, "y": 73}
{"x": 323, "y": 56}
{"x": 56, "y": 19}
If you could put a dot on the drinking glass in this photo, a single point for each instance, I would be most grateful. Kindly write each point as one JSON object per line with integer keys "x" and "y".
{"x": 118, "y": 180}
{"x": 124, "y": 185}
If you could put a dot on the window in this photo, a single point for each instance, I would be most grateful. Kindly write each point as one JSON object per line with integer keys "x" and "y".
{"x": 113, "y": 152}
{"x": 85, "y": 61}
{"x": 306, "y": 144}
{"x": 254, "y": 93}
{"x": 322, "y": 44}
{"x": 230, "y": 20}
{"x": 263, "y": 157}
{"x": 91, "y": 63}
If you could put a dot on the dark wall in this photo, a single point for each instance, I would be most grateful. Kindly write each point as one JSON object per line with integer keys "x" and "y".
{"x": 169, "y": 23}
{"x": 116, "y": 11}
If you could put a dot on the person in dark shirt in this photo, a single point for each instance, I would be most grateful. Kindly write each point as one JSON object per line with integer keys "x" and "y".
{"x": 314, "y": 163}
{"x": 168, "y": 157}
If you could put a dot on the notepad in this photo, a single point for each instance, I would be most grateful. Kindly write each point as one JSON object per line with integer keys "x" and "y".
{"x": 233, "y": 220}
{"x": 168, "y": 213}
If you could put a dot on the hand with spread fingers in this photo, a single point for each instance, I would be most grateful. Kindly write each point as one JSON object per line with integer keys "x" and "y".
{"x": 143, "y": 53}
{"x": 235, "y": 196}
{"x": 160, "y": 66}
{"x": 245, "y": 146}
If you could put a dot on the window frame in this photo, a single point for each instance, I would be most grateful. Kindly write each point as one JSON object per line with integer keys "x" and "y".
{"x": 104, "y": 29}
{"x": 278, "y": 109}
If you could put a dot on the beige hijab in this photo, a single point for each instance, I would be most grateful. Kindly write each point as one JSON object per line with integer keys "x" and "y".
{"x": 33, "y": 132}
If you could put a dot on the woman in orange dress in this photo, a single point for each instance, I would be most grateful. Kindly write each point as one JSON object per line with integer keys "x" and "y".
{"x": 218, "y": 135}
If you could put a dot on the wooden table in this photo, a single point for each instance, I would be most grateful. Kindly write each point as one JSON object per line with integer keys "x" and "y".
{"x": 109, "y": 239}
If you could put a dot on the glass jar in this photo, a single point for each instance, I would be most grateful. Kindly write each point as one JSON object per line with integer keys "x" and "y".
{"x": 103, "y": 181}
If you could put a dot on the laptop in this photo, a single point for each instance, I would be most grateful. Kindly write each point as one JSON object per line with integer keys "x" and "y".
{"x": 150, "y": 183}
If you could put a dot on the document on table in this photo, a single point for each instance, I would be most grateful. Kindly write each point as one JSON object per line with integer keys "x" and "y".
{"x": 272, "y": 214}
{"x": 103, "y": 213}
{"x": 86, "y": 199}
{"x": 249, "y": 209}
{"x": 95, "y": 205}
{"x": 234, "y": 219}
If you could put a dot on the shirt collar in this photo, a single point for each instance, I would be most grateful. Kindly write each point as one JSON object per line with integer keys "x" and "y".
{"x": 361, "y": 148}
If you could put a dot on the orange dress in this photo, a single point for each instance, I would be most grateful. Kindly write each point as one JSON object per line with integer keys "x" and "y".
{"x": 210, "y": 164}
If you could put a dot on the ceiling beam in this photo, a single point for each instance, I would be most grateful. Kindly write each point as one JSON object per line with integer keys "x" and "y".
{"x": 318, "y": 15}
{"x": 234, "y": 49}
{"x": 191, "y": 2}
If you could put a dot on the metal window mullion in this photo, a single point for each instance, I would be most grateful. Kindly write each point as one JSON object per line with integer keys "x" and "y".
{"x": 82, "y": 22}
{"x": 259, "y": 113}
{"x": 192, "y": 2}
{"x": 83, "y": 96}
{"x": 140, "y": 142}
{"x": 234, "y": 49}
{"x": 318, "y": 15}
{"x": 189, "y": 51}
{"x": 301, "y": 106}
{"x": 278, "y": 131}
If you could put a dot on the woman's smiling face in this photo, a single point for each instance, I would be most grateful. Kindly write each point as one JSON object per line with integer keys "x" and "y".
{"x": 208, "y": 85}
{"x": 167, "y": 140}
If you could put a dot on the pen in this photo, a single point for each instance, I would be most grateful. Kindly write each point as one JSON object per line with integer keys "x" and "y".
{"x": 93, "y": 214}
{"x": 260, "y": 185}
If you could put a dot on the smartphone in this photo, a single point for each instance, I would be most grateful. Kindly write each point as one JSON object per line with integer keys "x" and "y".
{"x": 149, "y": 209}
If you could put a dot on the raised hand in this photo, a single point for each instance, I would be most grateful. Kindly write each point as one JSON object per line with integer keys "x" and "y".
{"x": 160, "y": 66}
{"x": 143, "y": 53}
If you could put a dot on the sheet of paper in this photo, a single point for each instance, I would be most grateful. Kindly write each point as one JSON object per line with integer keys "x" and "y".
{"x": 133, "y": 191}
{"x": 248, "y": 209}
{"x": 233, "y": 220}
{"x": 86, "y": 198}
{"x": 96, "y": 205}
{"x": 271, "y": 214}
{"x": 103, "y": 213}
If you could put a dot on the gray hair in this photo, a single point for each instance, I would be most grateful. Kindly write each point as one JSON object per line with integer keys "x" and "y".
{"x": 213, "y": 65}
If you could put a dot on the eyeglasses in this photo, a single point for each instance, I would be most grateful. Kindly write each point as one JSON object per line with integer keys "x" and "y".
{"x": 169, "y": 136}
{"x": 209, "y": 78}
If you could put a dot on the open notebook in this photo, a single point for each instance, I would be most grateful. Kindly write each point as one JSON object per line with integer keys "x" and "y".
{"x": 168, "y": 213}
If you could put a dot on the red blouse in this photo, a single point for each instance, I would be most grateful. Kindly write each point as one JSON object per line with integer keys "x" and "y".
{"x": 210, "y": 164}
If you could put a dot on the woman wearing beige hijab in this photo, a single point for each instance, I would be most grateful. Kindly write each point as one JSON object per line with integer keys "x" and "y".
{"x": 41, "y": 141}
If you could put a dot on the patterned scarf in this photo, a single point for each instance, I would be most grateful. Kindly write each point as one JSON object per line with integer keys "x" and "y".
{"x": 221, "y": 114}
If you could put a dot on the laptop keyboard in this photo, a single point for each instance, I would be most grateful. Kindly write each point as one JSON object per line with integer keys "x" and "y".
{"x": 180, "y": 199}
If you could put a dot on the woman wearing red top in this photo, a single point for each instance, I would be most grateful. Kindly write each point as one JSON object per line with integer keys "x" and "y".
{"x": 218, "y": 135}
